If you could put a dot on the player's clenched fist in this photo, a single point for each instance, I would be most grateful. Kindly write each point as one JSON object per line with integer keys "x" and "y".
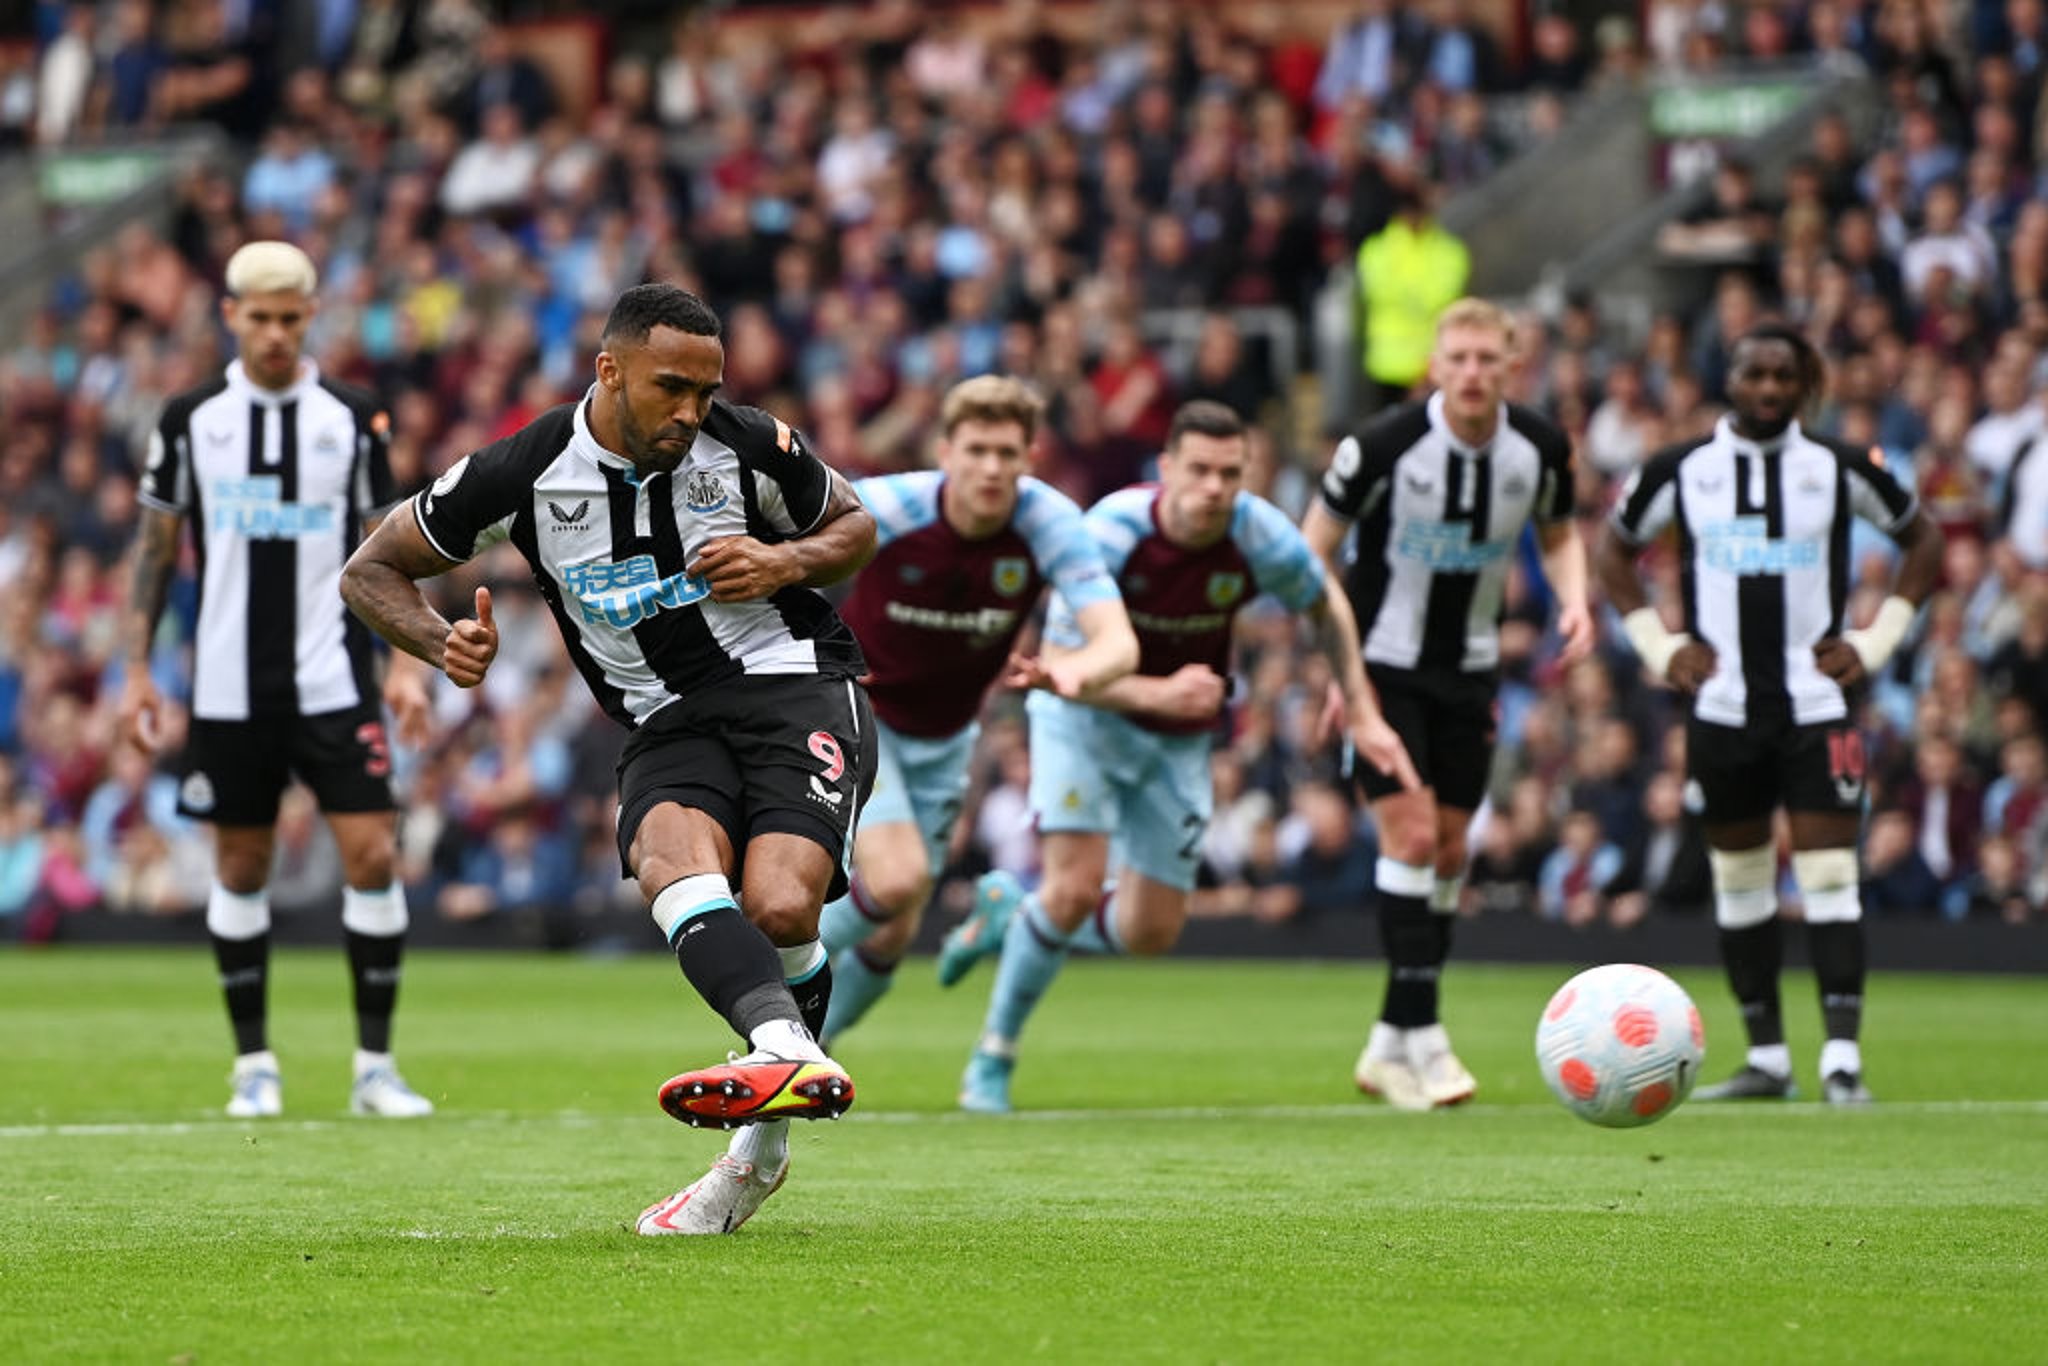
{"x": 1193, "y": 692}
{"x": 472, "y": 645}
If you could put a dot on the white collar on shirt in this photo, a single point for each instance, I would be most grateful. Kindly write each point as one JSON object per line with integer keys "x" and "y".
{"x": 239, "y": 381}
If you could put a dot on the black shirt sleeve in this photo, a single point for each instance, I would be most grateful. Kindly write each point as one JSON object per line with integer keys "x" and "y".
{"x": 793, "y": 486}
{"x": 1362, "y": 465}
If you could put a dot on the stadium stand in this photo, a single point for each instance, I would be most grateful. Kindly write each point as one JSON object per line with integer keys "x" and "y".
{"x": 1129, "y": 205}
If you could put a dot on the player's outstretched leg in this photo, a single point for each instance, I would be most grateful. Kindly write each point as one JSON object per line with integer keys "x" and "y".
{"x": 997, "y": 895}
{"x": 860, "y": 980}
{"x": 756, "y": 1162}
{"x": 1746, "y": 909}
{"x": 1034, "y": 949}
{"x": 1098, "y": 935}
{"x": 864, "y": 972}
{"x": 743, "y": 977}
{"x": 851, "y": 920}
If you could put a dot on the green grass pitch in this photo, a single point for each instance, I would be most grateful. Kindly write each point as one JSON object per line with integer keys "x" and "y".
{"x": 1194, "y": 1180}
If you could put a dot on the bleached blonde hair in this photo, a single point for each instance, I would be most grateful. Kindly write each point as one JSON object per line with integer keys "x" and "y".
{"x": 1470, "y": 312}
{"x": 271, "y": 267}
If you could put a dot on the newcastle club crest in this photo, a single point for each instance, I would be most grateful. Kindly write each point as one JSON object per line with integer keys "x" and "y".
{"x": 703, "y": 492}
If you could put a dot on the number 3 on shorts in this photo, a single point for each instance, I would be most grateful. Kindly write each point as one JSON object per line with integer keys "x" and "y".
{"x": 376, "y": 750}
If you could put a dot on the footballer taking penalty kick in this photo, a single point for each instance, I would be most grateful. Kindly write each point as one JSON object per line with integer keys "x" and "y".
{"x": 683, "y": 587}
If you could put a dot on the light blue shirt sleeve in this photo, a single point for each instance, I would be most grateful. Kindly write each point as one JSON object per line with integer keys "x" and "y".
{"x": 1280, "y": 556}
{"x": 900, "y": 503}
{"x": 1115, "y": 525}
{"x": 1053, "y": 526}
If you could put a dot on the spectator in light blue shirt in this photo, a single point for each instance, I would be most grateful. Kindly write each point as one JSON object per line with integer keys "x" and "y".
{"x": 1364, "y": 57}
{"x": 288, "y": 178}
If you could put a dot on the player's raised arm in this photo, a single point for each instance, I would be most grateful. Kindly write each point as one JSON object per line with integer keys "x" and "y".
{"x": 380, "y": 584}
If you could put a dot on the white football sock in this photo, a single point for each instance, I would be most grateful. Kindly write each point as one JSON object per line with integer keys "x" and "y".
{"x": 787, "y": 1039}
{"x": 1841, "y": 1055}
{"x": 1427, "y": 1042}
{"x": 765, "y": 1145}
{"x": 1387, "y": 1044}
{"x": 1774, "y": 1058}
{"x": 367, "y": 1062}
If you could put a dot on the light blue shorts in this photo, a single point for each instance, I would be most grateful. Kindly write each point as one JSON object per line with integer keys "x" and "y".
{"x": 1093, "y": 771}
{"x": 922, "y": 783}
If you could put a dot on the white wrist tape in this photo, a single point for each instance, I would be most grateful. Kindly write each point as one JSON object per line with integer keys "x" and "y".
{"x": 1874, "y": 643}
{"x": 1655, "y": 644}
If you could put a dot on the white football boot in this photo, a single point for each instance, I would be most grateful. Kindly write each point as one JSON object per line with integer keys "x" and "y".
{"x": 1445, "y": 1081}
{"x": 1391, "y": 1079}
{"x": 717, "y": 1202}
{"x": 380, "y": 1090}
{"x": 258, "y": 1089}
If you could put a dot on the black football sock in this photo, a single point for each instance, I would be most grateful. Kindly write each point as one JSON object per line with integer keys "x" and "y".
{"x": 1413, "y": 943}
{"x": 813, "y": 994}
{"x": 1837, "y": 951}
{"x": 245, "y": 982}
{"x": 735, "y": 969}
{"x": 1753, "y": 956}
{"x": 373, "y": 961}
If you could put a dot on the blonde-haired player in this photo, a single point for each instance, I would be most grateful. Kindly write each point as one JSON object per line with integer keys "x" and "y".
{"x": 282, "y": 472}
{"x": 1436, "y": 494}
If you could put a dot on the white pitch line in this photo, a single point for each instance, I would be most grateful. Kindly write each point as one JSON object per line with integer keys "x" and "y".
{"x": 575, "y": 1119}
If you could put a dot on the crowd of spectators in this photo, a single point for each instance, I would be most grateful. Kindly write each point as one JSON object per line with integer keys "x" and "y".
{"x": 882, "y": 201}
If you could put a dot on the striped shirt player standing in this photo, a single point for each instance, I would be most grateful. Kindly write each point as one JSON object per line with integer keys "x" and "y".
{"x": 964, "y": 552}
{"x": 677, "y": 540}
{"x": 1131, "y": 764}
{"x": 280, "y": 472}
{"x": 1761, "y": 511}
{"x": 1438, "y": 493}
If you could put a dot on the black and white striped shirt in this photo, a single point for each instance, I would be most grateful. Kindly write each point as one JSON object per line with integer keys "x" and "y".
{"x": 278, "y": 484}
{"x": 2023, "y": 512}
{"x": 608, "y": 550}
{"x": 1763, "y": 543}
{"x": 1437, "y": 525}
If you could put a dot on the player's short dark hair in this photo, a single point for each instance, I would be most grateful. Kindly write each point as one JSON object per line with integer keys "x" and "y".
{"x": 643, "y": 308}
{"x": 1203, "y": 417}
{"x": 1813, "y": 371}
